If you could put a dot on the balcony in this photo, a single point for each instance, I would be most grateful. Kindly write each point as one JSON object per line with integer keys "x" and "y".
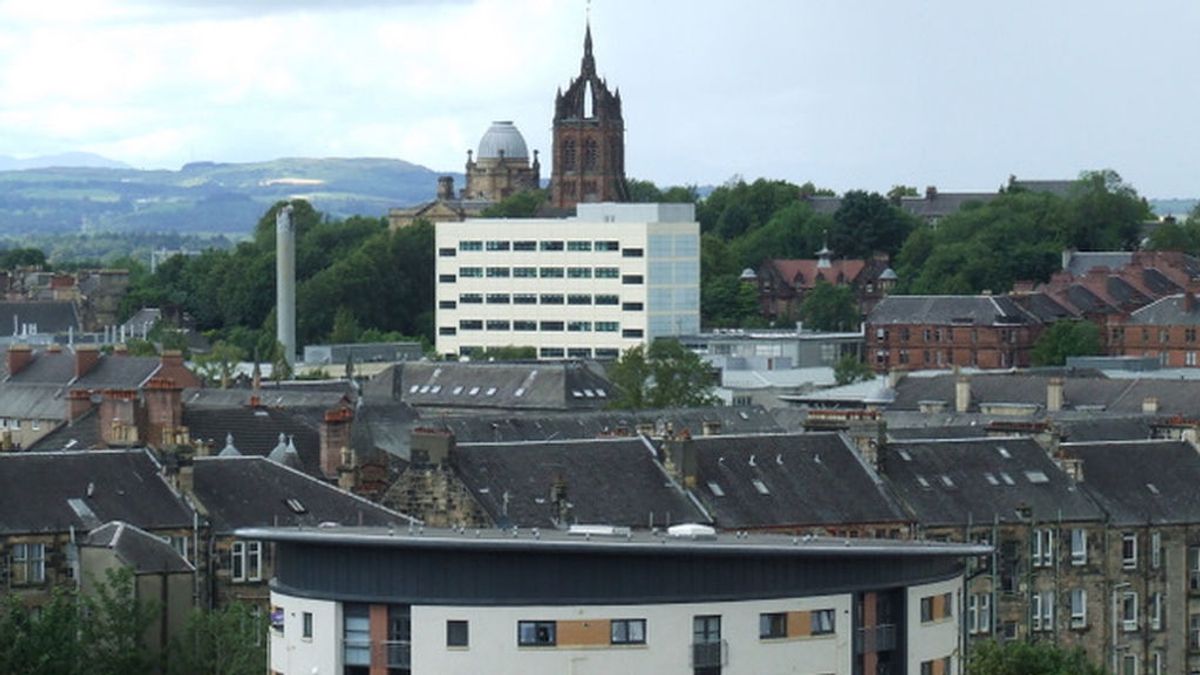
{"x": 710, "y": 654}
{"x": 881, "y": 638}
{"x": 399, "y": 653}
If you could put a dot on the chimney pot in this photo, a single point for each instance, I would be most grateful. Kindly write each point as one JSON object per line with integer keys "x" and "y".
{"x": 19, "y": 356}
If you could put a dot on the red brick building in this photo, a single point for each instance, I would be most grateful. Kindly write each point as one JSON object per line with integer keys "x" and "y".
{"x": 1166, "y": 329}
{"x": 915, "y": 332}
{"x": 783, "y": 283}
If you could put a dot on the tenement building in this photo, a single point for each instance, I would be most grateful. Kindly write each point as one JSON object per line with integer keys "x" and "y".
{"x": 612, "y": 277}
{"x": 602, "y": 599}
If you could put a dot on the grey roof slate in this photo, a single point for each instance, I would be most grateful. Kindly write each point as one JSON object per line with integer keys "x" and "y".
{"x": 254, "y": 492}
{"x": 1146, "y": 482}
{"x": 1043, "y": 307}
{"x": 82, "y": 434}
{"x": 51, "y": 317}
{"x": 566, "y": 385}
{"x": 32, "y": 401}
{"x": 978, "y": 310}
{"x": 256, "y": 431}
{"x": 970, "y": 495}
{"x": 1080, "y": 263}
{"x": 610, "y": 482}
{"x": 1105, "y": 429}
{"x": 271, "y": 397}
{"x": 138, "y": 549}
{"x": 1169, "y": 311}
{"x": 37, "y": 489}
{"x": 789, "y": 480}
{"x": 110, "y": 371}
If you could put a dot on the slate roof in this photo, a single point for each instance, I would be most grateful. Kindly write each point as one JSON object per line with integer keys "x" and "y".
{"x": 1045, "y": 308}
{"x": 32, "y": 401}
{"x": 271, "y": 397}
{"x": 1141, "y": 482}
{"x": 1169, "y": 311}
{"x": 987, "y": 478}
{"x": 978, "y": 310}
{"x": 610, "y": 482}
{"x": 937, "y": 431}
{"x": 82, "y": 434}
{"x": 564, "y": 385}
{"x": 255, "y": 431}
{"x": 254, "y": 492}
{"x": 804, "y": 273}
{"x": 37, "y": 491}
{"x": 138, "y": 549}
{"x": 789, "y": 480}
{"x": 128, "y": 372}
{"x": 1081, "y": 262}
{"x": 1105, "y": 429}
{"x": 52, "y": 317}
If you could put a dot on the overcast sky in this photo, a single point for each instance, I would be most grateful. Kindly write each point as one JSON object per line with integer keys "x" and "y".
{"x": 848, "y": 94}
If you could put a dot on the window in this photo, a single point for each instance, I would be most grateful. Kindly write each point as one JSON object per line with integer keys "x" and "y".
{"x": 470, "y": 324}
{"x": 1129, "y": 551}
{"x": 579, "y": 272}
{"x": 1129, "y": 611}
{"x": 1079, "y": 546}
{"x": 457, "y": 634}
{"x": 1078, "y": 608}
{"x": 772, "y": 626}
{"x": 182, "y": 545}
{"x": 1156, "y": 611}
{"x": 552, "y": 325}
{"x": 524, "y": 272}
{"x": 822, "y": 622}
{"x": 470, "y": 272}
{"x": 1043, "y": 611}
{"x": 497, "y": 272}
{"x": 470, "y": 298}
{"x": 524, "y": 325}
{"x": 1129, "y": 664}
{"x": 631, "y": 279}
{"x": 1043, "y": 547}
{"x": 579, "y": 299}
{"x": 536, "y": 633}
{"x": 607, "y": 273}
{"x": 447, "y": 330}
{"x": 551, "y": 352}
{"x": 579, "y": 353}
{"x": 497, "y": 324}
{"x": 1194, "y": 632}
{"x": 628, "y": 631}
{"x": 446, "y": 278}
{"x": 632, "y": 333}
{"x": 497, "y": 246}
{"x": 607, "y": 326}
{"x": 447, "y": 304}
{"x": 579, "y": 326}
{"x": 579, "y": 245}
{"x": 28, "y": 564}
{"x": 607, "y": 245}
{"x": 552, "y": 299}
{"x": 1194, "y": 568}
{"x": 307, "y": 626}
{"x": 607, "y": 300}
{"x": 498, "y": 298}
{"x": 632, "y": 307}
{"x": 237, "y": 560}
{"x": 607, "y": 353}
{"x": 979, "y": 613}
{"x": 552, "y": 246}
{"x": 1158, "y": 664}
{"x": 524, "y": 299}
{"x": 356, "y": 635}
{"x": 936, "y": 607}
{"x": 470, "y": 245}
{"x": 524, "y": 245}
{"x": 551, "y": 272}
{"x": 447, "y": 252}
{"x": 253, "y": 561}
{"x": 1155, "y": 550}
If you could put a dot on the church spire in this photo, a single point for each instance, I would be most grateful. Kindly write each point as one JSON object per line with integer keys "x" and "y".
{"x": 589, "y": 63}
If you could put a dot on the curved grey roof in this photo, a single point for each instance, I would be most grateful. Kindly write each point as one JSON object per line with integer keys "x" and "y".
{"x": 502, "y": 136}
{"x": 888, "y": 275}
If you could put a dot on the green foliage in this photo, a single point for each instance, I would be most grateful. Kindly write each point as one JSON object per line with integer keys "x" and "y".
{"x": 523, "y": 204}
{"x": 849, "y": 369}
{"x": 22, "y": 257}
{"x": 728, "y": 302}
{"x": 345, "y": 327}
{"x": 139, "y": 347}
{"x": 1066, "y": 338}
{"x": 666, "y": 375}
{"x": 227, "y": 641}
{"x": 866, "y": 224}
{"x": 1103, "y": 213}
{"x": 644, "y": 191}
{"x": 736, "y": 207}
{"x": 217, "y": 365}
{"x": 1024, "y": 658}
{"x": 830, "y": 308}
{"x": 507, "y": 353}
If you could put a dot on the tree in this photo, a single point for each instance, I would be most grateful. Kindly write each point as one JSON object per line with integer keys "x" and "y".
{"x": 666, "y": 375}
{"x": 728, "y": 302}
{"x": 830, "y": 308}
{"x": 116, "y": 625}
{"x": 865, "y": 224}
{"x": 1066, "y": 338}
{"x": 226, "y": 641}
{"x": 1026, "y": 658}
{"x": 850, "y": 369}
{"x": 345, "y": 327}
{"x": 1103, "y": 213}
{"x": 218, "y": 364}
{"x": 524, "y": 204}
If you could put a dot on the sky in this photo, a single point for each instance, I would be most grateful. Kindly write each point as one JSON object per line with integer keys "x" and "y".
{"x": 848, "y": 94}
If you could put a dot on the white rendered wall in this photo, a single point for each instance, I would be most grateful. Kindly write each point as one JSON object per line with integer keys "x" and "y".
{"x": 936, "y": 639}
{"x": 291, "y": 653}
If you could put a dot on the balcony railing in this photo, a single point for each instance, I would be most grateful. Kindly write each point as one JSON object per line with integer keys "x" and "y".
{"x": 399, "y": 653}
{"x": 881, "y": 638}
{"x": 709, "y": 654}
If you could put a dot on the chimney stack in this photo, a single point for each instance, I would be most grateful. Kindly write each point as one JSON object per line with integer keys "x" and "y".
{"x": 19, "y": 356}
{"x": 86, "y": 358}
{"x": 682, "y": 461}
{"x": 1189, "y": 302}
{"x": 164, "y": 411}
{"x": 335, "y": 439}
{"x": 1054, "y": 394}
{"x": 431, "y": 446}
{"x": 79, "y": 402}
{"x": 445, "y": 188}
{"x": 285, "y": 282}
{"x": 118, "y": 418}
{"x": 962, "y": 394}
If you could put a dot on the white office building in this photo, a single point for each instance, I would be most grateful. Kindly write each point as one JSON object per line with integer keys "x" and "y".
{"x": 612, "y": 277}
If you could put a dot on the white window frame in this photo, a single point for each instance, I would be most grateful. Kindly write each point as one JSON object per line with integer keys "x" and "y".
{"x": 1129, "y": 664}
{"x": 1129, "y": 562}
{"x": 1079, "y": 554}
{"x": 254, "y": 561}
{"x": 1156, "y": 611}
{"x": 1079, "y": 609}
{"x": 1043, "y": 547}
{"x": 1129, "y": 611}
{"x": 28, "y": 562}
{"x": 1193, "y": 554}
{"x": 1158, "y": 664}
{"x": 1043, "y": 611}
{"x": 1155, "y": 550}
{"x": 979, "y": 613}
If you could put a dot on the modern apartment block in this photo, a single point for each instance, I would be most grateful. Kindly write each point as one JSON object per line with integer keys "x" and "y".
{"x": 599, "y": 599}
{"x": 610, "y": 278}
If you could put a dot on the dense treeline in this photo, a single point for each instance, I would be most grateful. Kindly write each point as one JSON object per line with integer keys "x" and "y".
{"x": 352, "y": 272}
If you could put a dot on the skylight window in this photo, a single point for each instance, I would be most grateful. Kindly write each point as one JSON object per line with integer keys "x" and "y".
{"x": 905, "y": 456}
{"x": 947, "y": 481}
{"x": 715, "y": 489}
{"x": 576, "y": 393}
{"x": 413, "y": 389}
{"x": 435, "y": 388}
{"x": 923, "y": 483}
{"x": 991, "y": 478}
{"x": 760, "y": 486}
{"x": 1152, "y": 488}
{"x": 491, "y": 391}
{"x": 519, "y": 392}
{"x": 1007, "y": 479}
{"x": 589, "y": 393}
{"x": 295, "y": 505}
{"x": 425, "y": 389}
{"x": 457, "y": 390}
{"x": 601, "y": 393}
{"x": 1037, "y": 476}
{"x": 1003, "y": 452}
{"x": 473, "y": 391}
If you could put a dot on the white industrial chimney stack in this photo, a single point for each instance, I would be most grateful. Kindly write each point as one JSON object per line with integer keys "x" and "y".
{"x": 285, "y": 282}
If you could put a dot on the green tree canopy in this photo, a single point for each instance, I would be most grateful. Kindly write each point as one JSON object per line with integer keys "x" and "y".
{"x": 850, "y": 369}
{"x": 868, "y": 223}
{"x": 1066, "y": 338}
{"x": 666, "y": 375}
{"x": 1025, "y": 658}
{"x": 830, "y": 308}
{"x": 524, "y": 204}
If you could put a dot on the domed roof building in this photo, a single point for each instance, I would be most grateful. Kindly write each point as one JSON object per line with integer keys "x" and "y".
{"x": 502, "y": 166}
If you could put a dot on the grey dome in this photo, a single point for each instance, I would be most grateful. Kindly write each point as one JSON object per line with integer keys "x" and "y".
{"x": 888, "y": 275}
{"x": 502, "y": 136}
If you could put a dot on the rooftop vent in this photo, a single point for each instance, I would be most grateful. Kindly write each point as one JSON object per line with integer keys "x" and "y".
{"x": 692, "y": 530}
{"x": 598, "y": 531}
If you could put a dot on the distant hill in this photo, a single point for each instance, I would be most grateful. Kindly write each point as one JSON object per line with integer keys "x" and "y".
{"x": 1180, "y": 208}
{"x": 73, "y": 159}
{"x": 202, "y": 197}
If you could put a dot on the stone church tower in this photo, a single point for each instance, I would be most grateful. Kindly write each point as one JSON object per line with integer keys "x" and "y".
{"x": 589, "y": 140}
